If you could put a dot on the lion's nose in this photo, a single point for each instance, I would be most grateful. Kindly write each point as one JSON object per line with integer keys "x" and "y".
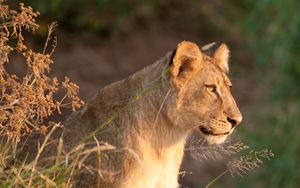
{"x": 234, "y": 121}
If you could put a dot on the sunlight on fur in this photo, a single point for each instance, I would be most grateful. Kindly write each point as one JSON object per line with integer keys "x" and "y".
{"x": 152, "y": 112}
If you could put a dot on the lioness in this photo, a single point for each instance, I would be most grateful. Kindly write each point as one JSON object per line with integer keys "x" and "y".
{"x": 151, "y": 114}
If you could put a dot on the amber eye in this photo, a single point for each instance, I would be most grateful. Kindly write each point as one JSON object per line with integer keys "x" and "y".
{"x": 211, "y": 88}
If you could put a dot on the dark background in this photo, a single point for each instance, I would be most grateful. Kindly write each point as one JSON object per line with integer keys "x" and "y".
{"x": 101, "y": 41}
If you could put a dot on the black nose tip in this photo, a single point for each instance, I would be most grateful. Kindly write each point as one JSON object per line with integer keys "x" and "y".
{"x": 233, "y": 122}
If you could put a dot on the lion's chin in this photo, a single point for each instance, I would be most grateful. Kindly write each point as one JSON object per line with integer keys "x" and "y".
{"x": 215, "y": 139}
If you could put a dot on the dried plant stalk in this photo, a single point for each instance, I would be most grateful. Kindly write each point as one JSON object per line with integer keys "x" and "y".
{"x": 200, "y": 149}
{"x": 248, "y": 162}
{"x": 25, "y": 101}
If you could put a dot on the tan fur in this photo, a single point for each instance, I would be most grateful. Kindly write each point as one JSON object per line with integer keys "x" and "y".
{"x": 222, "y": 56}
{"x": 149, "y": 131}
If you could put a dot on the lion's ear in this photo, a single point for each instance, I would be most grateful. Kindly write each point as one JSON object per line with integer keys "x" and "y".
{"x": 222, "y": 55}
{"x": 186, "y": 62}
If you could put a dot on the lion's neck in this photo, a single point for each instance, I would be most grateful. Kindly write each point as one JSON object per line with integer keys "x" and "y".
{"x": 153, "y": 121}
{"x": 152, "y": 110}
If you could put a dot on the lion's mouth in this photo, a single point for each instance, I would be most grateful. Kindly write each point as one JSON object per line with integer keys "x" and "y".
{"x": 209, "y": 132}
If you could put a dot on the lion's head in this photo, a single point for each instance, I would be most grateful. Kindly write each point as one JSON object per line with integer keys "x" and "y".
{"x": 204, "y": 101}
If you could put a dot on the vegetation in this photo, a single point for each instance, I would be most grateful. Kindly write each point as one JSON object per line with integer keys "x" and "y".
{"x": 26, "y": 101}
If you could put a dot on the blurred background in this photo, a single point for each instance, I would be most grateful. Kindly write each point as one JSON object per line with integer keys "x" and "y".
{"x": 101, "y": 41}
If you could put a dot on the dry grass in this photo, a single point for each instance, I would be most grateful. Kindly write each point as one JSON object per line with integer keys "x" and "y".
{"x": 238, "y": 165}
{"x": 201, "y": 150}
{"x": 26, "y": 101}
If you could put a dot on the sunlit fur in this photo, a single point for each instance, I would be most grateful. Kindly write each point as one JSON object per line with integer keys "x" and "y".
{"x": 150, "y": 130}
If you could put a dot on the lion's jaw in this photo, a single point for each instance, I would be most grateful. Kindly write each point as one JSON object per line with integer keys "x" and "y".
{"x": 214, "y": 138}
{"x": 216, "y": 130}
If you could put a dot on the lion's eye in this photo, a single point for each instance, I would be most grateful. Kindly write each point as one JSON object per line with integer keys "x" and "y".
{"x": 211, "y": 88}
